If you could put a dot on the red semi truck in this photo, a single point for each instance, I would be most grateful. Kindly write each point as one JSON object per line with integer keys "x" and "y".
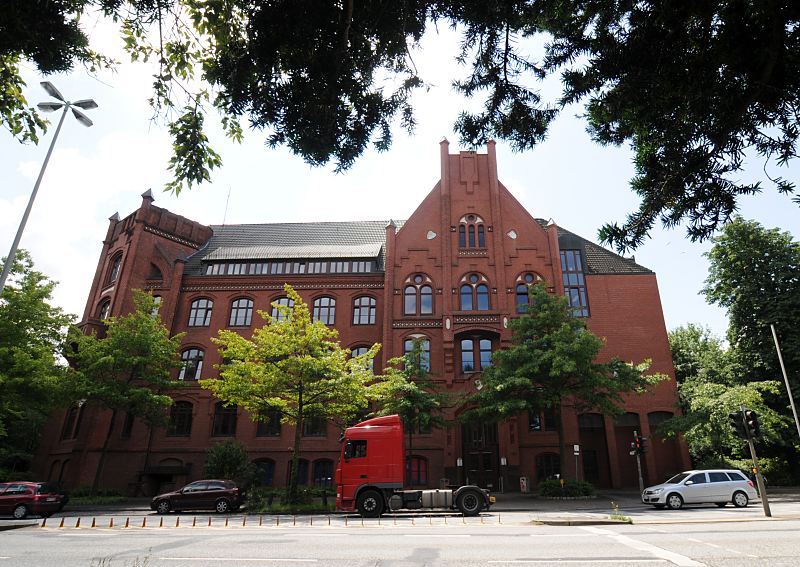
{"x": 369, "y": 477}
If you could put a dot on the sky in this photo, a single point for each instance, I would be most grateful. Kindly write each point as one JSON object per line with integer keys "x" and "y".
{"x": 98, "y": 171}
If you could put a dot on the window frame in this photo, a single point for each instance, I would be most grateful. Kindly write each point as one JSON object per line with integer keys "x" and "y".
{"x": 225, "y": 420}
{"x": 241, "y": 315}
{"x": 322, "y": 312}
{"x": 276, "y": 314}
{"x": 474, "y": 293}
{"x": 199, "y": 313}
{"x": 359, "y": 308}
{"x": 114, "y": 268}
{"x": 181, "y": 417}
{"x": 187, "y": 361}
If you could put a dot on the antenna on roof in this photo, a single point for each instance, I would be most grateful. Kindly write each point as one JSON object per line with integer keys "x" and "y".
{"x": 225, "y": 214}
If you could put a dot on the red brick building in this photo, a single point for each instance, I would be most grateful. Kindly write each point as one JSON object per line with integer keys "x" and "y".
{"x": 454, "y": 274}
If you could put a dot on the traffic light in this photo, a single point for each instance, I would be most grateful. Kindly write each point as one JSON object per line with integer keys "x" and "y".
{"x": 639, "y": 445}
{"x": 751, "y": 421}
{"x": 736, "y": 419}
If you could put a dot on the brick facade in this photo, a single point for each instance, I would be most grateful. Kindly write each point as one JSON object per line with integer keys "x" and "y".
{"x": 468, "y": 233}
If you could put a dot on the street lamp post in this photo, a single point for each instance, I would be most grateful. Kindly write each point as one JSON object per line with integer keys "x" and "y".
{"x": 86, "y": 104}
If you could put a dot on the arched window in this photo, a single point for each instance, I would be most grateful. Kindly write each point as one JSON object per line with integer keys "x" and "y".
{"x": 264, "y": 472}
{"x": 325, "y": 310}
{"x": 474, "y": 293}
{"x": 180, "y": 419}
{"x": 224, "y": 420}
{"x": 359, "y": 350}
{"x": 418, "y": 295}
{"x": 278, "y": 314}
{"x": 200, "y": 313}
{"x": 364, "y": 311}
{"x": 192, "y": 364}
{"x": 113, "y": 270}
{"x": 548, "y": 465}
{"x": 524, "y": 281}
{"x": 103, "y": 311}
{"x": 476, "y": 354}
{"x": 241, "y": 312}
{"x": 425, "y": 351}
{"x": 418, "y": 471}
{"x": 315, "y": 426}
{"x": 302, "y": 472}
{"x": 323, "y": 473}
{"x": 471, "y": 232}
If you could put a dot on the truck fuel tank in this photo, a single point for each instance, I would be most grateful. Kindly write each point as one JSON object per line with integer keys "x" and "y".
{"x": 437, "y": 498}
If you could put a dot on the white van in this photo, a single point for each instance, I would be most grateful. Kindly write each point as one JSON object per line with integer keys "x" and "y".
{"x": 719, "y": 486}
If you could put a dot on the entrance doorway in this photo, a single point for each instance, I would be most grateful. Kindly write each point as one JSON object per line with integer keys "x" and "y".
{"x": 480, "y": 450}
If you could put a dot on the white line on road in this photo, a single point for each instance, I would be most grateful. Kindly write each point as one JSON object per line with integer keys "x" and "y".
{"x": 675, "y": 558}
{"x": 437, "y": 535}
{"x": 584, "y": 561}
{"x": 240, "y": 559}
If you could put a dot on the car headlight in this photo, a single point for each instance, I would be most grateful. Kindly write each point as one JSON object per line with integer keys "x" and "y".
{"x": 655, "y": 490}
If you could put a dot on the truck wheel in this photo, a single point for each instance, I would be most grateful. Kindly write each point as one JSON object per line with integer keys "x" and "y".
{"x": 470, "y": 503}
{"x": 370, "y": 504}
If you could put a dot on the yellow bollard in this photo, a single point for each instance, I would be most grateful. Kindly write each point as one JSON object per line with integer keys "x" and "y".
{"x": 44, "y": 522}
{"x": 260, "y": 520}
{"x": 294, "y": 520}
{"x": 226, "y": 521}
{"x": 244, "y": 520}
{"x": 194, "y": 521}
{"x": 209, "y": 521}
{"x": 161, "y": 523}
{"x": 111, "y": 522}
{"x": 61, "y": 523}
{"x": 177, "y": 521}
{"x": 277, "y": 521}
{"x": 78, "y": 523}
{"x": 94, "y": 524}
{"x": 144, "y": 521}
{"x": 127, "y": 522}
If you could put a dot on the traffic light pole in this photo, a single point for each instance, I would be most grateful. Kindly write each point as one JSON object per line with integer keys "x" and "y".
{"x": 639, "y": 465}
{"x": 762, "y": 489}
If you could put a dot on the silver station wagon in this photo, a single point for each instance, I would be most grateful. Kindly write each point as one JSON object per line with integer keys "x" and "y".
{"x": 718, "y": 486}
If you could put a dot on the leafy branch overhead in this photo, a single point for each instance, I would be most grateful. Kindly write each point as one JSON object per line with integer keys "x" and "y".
{"x": 693, "y": 88}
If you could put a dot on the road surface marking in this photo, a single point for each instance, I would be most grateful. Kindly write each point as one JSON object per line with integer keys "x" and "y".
{"x": 583, "y": 561}
{"x": 240, "y": 559}
{"x": 437, "y": 535}
{"x": 675, "y": 558}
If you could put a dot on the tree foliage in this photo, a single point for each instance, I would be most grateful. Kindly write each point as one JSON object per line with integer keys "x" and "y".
{"x": 712, "y": 384}
{"x": 228, "y": 460}
{"x": 32, "y": 333}
{"x": 296, "y": 366}
{"x": 551, "y": 364}
{"x": 128, "y": 368}
{"x": 692, "y": 87}
{"x": 405, "y": 389}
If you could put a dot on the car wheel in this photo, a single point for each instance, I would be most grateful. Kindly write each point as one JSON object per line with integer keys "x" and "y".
{"x": 470, "y": 503}
{"x": 370, "y": 504}
{"x": 222, "y": 506}
{"x": 721, "y": 504}
{"x": 658, "y": 506}
{"x": 674, "y": 501}
{"x": 20, "y": 512}
{"x": 740, "y": 499}
{"x": 163, "y": 507}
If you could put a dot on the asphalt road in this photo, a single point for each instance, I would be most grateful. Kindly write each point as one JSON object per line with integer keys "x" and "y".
{"x": 439, "y": 540}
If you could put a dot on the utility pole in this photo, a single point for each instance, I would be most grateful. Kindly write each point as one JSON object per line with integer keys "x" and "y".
{"x": 785, "y": 378}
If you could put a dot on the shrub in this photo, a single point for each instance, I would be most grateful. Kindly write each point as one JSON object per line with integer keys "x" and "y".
{"x": 228, "y": 460}
{"x": 571, "y": 488}
{"x": 275, "y": 500}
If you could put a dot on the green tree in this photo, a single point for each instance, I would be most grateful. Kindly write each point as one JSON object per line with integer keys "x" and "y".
{"x": 754, "y": 273}
{"x": 405, "y": 389}
{"x": 228, "y": 460}
{"x": 697, "y": 355}
{"x": 691, "y": 87}
{"x": 551, "y": 365}
{"x": 32, "y": 332}
{"x": 128, "y": 369}
{"x": 294, "y": 365}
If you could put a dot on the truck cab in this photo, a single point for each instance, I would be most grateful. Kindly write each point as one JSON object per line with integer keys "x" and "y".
{"x": 371, "y": 470}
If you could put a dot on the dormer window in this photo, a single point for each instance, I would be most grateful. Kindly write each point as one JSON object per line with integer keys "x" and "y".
{"x": 471, "y": 232}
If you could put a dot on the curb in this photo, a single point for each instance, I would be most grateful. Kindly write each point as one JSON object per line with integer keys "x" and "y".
{"x": 582, "y": 522}
{"x": 5, "y": 527}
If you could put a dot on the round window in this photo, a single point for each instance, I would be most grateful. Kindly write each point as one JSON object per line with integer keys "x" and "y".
{"x": 471, "y": 218}
{"x": 473, "y": 278}
{"x": 417, "y": 279}
{"x": 529, "y": 278}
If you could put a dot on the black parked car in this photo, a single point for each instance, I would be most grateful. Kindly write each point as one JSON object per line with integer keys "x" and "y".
{"x": 222, "y": 496}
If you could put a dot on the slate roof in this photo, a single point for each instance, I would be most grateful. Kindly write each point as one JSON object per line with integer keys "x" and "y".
{"x": 598, "y": 260}
{"x": 358, "y": 239}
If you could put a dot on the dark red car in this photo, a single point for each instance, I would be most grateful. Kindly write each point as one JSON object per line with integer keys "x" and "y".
{"x": 21, "y": 498}
{"x": 222, "y": 496}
